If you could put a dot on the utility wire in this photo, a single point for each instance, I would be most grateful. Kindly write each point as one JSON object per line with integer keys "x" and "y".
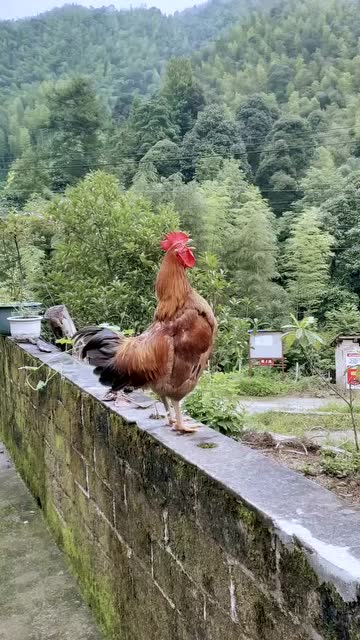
{"x": 249, "y": 149}
{"x": 125, "y": 160}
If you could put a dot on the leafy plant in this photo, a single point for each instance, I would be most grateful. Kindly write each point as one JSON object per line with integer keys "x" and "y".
{"x": 67, "y": 343}
{"x": 341, "y": 466}
{"x": 303, "y": 332}
{"x": 214, "y": 402}
{"x": 41, "y": 384}
{"x": 231, "y": 347}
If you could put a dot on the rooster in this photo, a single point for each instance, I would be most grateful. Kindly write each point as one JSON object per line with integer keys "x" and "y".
{"x": 170, "y": 355}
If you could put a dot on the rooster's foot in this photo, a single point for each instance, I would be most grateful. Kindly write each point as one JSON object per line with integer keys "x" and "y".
{"x": 191, "y": 427}
{"x": 119, "y": 397}
{"x": 110, "y": 396}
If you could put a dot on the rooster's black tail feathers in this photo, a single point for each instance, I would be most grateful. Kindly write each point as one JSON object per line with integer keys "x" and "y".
{"x": 99, "y": 345}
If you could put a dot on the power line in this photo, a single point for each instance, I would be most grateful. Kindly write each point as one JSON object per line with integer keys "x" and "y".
{"x": 124, "y": 161}
{"x": 252, "y": 149}
{"x": 283, "y": 201}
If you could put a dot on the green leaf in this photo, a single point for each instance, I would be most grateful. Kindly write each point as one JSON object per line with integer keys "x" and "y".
{"x": 64, "y": 341}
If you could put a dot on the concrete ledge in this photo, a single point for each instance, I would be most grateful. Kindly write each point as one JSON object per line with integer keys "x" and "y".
{"x": 215, "y": 542}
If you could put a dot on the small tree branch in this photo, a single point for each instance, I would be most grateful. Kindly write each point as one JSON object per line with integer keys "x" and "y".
{"x": 350, "y": 402}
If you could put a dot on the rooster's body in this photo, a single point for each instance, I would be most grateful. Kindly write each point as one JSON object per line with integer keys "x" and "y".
{"x": 170, "y": 355}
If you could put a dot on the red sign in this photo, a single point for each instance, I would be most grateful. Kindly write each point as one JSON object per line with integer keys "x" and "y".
{"x": 266, "y": 362}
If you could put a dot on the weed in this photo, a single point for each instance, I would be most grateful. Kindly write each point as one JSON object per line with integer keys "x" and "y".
{"x": 207, "y": 445}
{"x": 340, "y": 466}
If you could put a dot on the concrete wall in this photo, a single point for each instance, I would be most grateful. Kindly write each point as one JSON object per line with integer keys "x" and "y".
{"x": 172, "y": 539}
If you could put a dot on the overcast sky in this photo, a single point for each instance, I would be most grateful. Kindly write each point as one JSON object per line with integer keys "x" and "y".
{"x": 23, "y": 8}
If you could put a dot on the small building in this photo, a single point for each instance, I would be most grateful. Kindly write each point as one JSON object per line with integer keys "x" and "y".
{"x": 266, "y": 348}
{"x": 347, "y": 360}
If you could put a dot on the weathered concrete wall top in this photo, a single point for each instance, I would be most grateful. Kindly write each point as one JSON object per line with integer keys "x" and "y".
{"x": 171, "y": 540}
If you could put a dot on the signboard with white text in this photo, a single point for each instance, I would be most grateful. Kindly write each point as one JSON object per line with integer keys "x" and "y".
{"x": 266, "y": 346}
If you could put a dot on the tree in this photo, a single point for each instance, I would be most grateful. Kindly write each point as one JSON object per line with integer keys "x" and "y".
{"x": 212, "y": 134}
{"x": 279, "y": 77}
{"x": 22, "y": 255}
{"x": 216, "y": 203}
{"x": 107, "y": 252}
{"x": 250, "y": 248}
{"x": 183, "y": 93}
{"x": 322, "y": 181}
{"x": 187, "y": 199}
{"x": 28, "y": 175}
{"x": 74, "y": 131}
{"x": 243, "y": 235}
{"x": 307, "y": 260}
{"x": 341, "y": 215}
{"x": 164, "y": 156}
{"x": 122, "y": 107}
{"x": 344, "y": 319}
{"x": 284, "y": 161}
{"x": 150, "y": 121}
{"x": 256, "y": 119}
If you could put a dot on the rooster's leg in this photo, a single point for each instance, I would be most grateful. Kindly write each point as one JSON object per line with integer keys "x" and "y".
{"x": 166, "y": 403}
{"x": 179, "y": 423}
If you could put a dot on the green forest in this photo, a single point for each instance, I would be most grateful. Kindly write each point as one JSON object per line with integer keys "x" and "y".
{"x": 238, "y": 122}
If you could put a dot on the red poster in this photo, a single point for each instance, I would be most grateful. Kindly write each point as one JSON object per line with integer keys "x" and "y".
{"x": 352, "y": 369}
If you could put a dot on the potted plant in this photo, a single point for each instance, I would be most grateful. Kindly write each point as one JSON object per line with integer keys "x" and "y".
{"x": 26, "y": 322}
{"x": 9, "y": 308}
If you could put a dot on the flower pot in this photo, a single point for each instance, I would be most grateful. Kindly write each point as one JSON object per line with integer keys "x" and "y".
{"x": 7, "y": 308}
{"x": 25, "y": 328}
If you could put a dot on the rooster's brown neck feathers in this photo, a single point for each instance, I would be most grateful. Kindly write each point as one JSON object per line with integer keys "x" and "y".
{"x": 172, "y": 287}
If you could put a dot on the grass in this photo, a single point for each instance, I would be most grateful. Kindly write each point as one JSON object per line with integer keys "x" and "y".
{"x": 340, "y": 407}
{"x": 296, "y": 423}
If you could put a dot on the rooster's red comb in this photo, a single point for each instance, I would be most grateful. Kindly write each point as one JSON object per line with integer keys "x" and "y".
{"x": 173, "y": 238}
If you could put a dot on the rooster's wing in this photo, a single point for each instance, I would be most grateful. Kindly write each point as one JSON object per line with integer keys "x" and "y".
{"x": 142, "y": 360}
{"x": 192, "y": 336}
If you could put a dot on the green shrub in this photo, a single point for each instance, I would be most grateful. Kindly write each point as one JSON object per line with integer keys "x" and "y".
{"x": 214, "y": 402}
{"x": 266, "y": 382}
{"x": 259, "y": 386}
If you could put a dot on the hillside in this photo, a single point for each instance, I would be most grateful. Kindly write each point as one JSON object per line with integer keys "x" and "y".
{"x": 121, "y": 50}
{"x": 309, "y": 47}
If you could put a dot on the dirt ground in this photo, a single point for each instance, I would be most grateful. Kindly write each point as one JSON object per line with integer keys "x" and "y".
{"x": 309, "y": 463}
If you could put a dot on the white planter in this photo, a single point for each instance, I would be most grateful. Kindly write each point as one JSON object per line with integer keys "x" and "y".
{"x": 25, "y": 328}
